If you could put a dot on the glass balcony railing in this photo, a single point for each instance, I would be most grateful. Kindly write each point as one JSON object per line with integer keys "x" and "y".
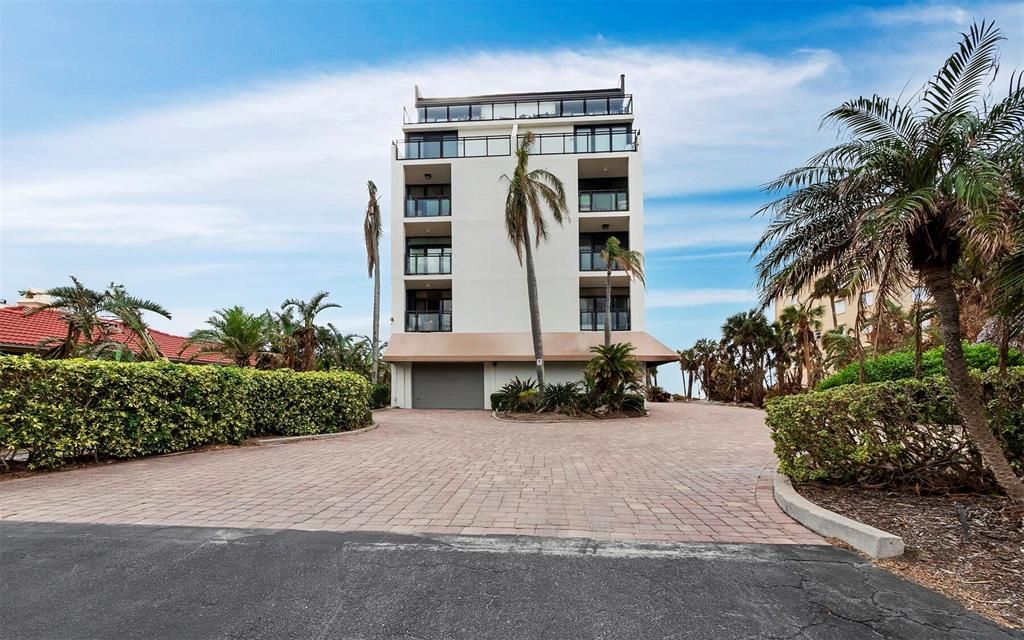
{"x": 474, "y": 147}
{"x": 434, "y": 261}
{"x": 594, "y": 320}
{"x": 591, "y": 260}
{"x": 585, "y": 142}
{"x": 428, "y": 207}
{"x": 428, "y": 321}
{"x": 604, "y": 200}
{"x": 521, "y": 109}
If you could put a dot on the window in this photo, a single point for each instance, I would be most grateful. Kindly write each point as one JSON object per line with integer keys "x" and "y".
{"x": 592, "y": 313}
{"x": 428, "y": 310}
{"x": 841, "y": 305}
{"x": 867, "y": 298}
{"x": 920, "y": 294}
{"x": 458, "y": 113}
{"x": 505, "y": 111}
{"x": 591, "y": 245}
{"x": 428, "y": 200}
{"x": 793, "y": 299}
{"x": 481, "y": 112}
{"x": 604, "y": 138}
{"x": 440, "y": 144}
{"x": 526, "y": 109}
{"x": 428, "y": 256}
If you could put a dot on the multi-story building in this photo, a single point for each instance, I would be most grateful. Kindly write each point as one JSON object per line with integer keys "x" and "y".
{"x": 460, "y": 326}
{"x": 846, "y": 307}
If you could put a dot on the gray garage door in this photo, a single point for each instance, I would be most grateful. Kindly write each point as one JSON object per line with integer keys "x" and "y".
{"x": 447, "y": 386}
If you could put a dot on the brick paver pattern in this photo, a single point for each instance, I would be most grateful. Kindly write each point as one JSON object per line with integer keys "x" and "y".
{"x": 687, "y": 473}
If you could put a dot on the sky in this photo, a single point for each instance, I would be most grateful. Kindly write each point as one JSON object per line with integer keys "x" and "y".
{"x": 207, "y": 154}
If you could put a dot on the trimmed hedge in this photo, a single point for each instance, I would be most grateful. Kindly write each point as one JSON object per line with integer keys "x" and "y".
{"x": 906, "y": 432}
{"x": 900, "y": 365}
{"x": 60, "y": 410}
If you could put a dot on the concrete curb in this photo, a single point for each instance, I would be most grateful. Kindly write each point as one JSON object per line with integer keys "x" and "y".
{"x": 866, "y": 539}
{"x": 263, "y": 442}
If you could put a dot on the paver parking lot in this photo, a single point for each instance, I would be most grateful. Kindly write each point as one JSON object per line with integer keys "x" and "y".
{"x": 687, "y": 473}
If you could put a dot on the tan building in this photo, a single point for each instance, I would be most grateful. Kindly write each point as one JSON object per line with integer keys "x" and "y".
{"x": 845, "y": 307}
{"x": 461, "y": 325}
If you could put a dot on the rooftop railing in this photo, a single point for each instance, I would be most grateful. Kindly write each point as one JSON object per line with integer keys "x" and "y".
{"x": 521, "y": 109}
{"x": 584, "y": 142}
{"x": 471, "y": 147}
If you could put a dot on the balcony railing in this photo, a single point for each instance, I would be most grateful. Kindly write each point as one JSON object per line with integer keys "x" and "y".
{"x": 584, "y": 142}
{"x": 428, "y": 207}
{"x": 438, "y": 261}
{"x": 591, "y": 260}
{"x": 521, "y": 109}
{"x": 604, "y": 200}
{"x": 594, "y": 320}
{"x": 428, "y": 321}
{"x": 473, "y": 147}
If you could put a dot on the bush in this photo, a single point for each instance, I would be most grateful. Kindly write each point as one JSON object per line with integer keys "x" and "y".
{"x": 380, "y": 396}
{"x": 905, "y": 432}
{"x": 658, "y": 394}
{"x": 59, "y": 410}
{"x": 562, "y": 397}
{"x": 900, "y": 365}
{"x": 517, "y": 396}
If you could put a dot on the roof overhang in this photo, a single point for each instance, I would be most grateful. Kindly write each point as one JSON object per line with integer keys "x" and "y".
{"x": 517, "y": 347}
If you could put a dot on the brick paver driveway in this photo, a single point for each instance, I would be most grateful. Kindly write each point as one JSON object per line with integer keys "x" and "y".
{"x": 694, "y": 472}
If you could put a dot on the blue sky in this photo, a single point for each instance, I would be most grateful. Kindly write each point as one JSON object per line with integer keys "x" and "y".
{"x": 213, "y": 153}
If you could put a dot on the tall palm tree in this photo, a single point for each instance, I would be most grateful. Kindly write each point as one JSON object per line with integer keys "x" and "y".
{"x": 308, "y": 312}
{"x": 529, "y": 193}
{"x": 688, "y": 366}
{"x": 829, "y": 287}
{"x": 914, "y": 187}
{"x": 372, "y": 230}
{"x": 705, "y": 351}
{"x": 234, "y": 333}
{"x": 617, "y": 257}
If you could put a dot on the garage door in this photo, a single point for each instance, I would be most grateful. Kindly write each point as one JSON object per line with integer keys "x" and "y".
{"x": 448, "y": 386}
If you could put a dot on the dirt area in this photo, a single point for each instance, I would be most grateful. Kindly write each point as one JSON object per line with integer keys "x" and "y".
{"x": 969, "y": 547}
{"x": 561, "y": 417}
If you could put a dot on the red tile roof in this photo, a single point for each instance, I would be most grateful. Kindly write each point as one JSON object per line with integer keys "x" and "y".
{"x": 26, "y": 331}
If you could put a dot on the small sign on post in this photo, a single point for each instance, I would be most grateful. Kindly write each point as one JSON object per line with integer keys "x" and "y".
{"x": 540, "y": 362}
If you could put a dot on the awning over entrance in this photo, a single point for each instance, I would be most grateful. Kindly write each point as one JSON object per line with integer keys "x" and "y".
{"x": 516, "y": 347}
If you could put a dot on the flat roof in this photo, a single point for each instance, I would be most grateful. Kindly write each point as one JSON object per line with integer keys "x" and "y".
{"x": 614, "y": 92}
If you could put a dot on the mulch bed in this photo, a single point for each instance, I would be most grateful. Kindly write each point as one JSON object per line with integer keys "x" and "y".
{"x": 978, "y": 562}
{"x": 561, "y": 417}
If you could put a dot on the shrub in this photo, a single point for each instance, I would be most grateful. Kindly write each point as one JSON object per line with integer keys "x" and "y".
{"x": 900, "y": 365}
{"x": 562, "y": 397}
{"x": 380, "y": 396}
{"x": 518, "y": 396}
{"x": 904, "y": 432}
{"x": 613, "y": 373}
{"x": 59, "y": 410}
{"x": 658, "y": 394}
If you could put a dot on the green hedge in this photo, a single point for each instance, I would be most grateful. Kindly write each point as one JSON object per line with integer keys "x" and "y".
{"x": 894, "y": 433}
{"x": 59, "y": 410}
{"x": 900, "y": 365}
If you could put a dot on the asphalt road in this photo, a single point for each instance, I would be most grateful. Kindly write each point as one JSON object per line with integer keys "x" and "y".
{"x": 76, "y": 581}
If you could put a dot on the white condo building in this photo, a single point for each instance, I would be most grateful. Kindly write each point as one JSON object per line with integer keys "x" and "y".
{"x": 460, "y": 326}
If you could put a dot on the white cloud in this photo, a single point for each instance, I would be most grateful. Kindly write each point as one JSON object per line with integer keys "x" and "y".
{"x": 284, "y": 165}
{"x": 698, "y": 297}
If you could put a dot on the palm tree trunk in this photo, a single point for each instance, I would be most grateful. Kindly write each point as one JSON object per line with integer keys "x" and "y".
{"x": 531, "y": 292}
{"x": 376, "y": 323}
{"x": 608, "y": 305}
{"x": 918, "y": 340}
{"x": 965, "y": 389}
{"x": 832, "y": 303}
{"x": 689, "y": 384}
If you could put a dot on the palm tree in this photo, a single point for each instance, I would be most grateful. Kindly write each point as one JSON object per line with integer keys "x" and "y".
{"x": 614, "y": 372}
{"x": 706, "y": 353}
{"x": 308, "y": 312}
{"x": 829, "y": 287}
{"x": 372, "y": 230}
{"x": 914, "y": 188}
{"x": 621, "y": 259}
{"x": 803, "y": 322}
{"x": 89, "y": 314}
{"x": 529, "y": 192}
{"x": 128, "y": 309}
{"x": 688, "y": 366}
{"x": 234, "y": 333}
{"x": 840, "y": 347}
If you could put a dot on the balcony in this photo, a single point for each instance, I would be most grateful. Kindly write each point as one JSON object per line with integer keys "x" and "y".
{"x": 592, "y": 315}
{"x": 521, "y": 109}
{"x": 452, "y": 147}
{"x": 428, "y": 262}
{"x": 428, "y": 321}
{"x": 428, "y": 207}
{"x": 604, "y": 200}
{"x": 591, "y": 260}
{"x": 585, "y": 142}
